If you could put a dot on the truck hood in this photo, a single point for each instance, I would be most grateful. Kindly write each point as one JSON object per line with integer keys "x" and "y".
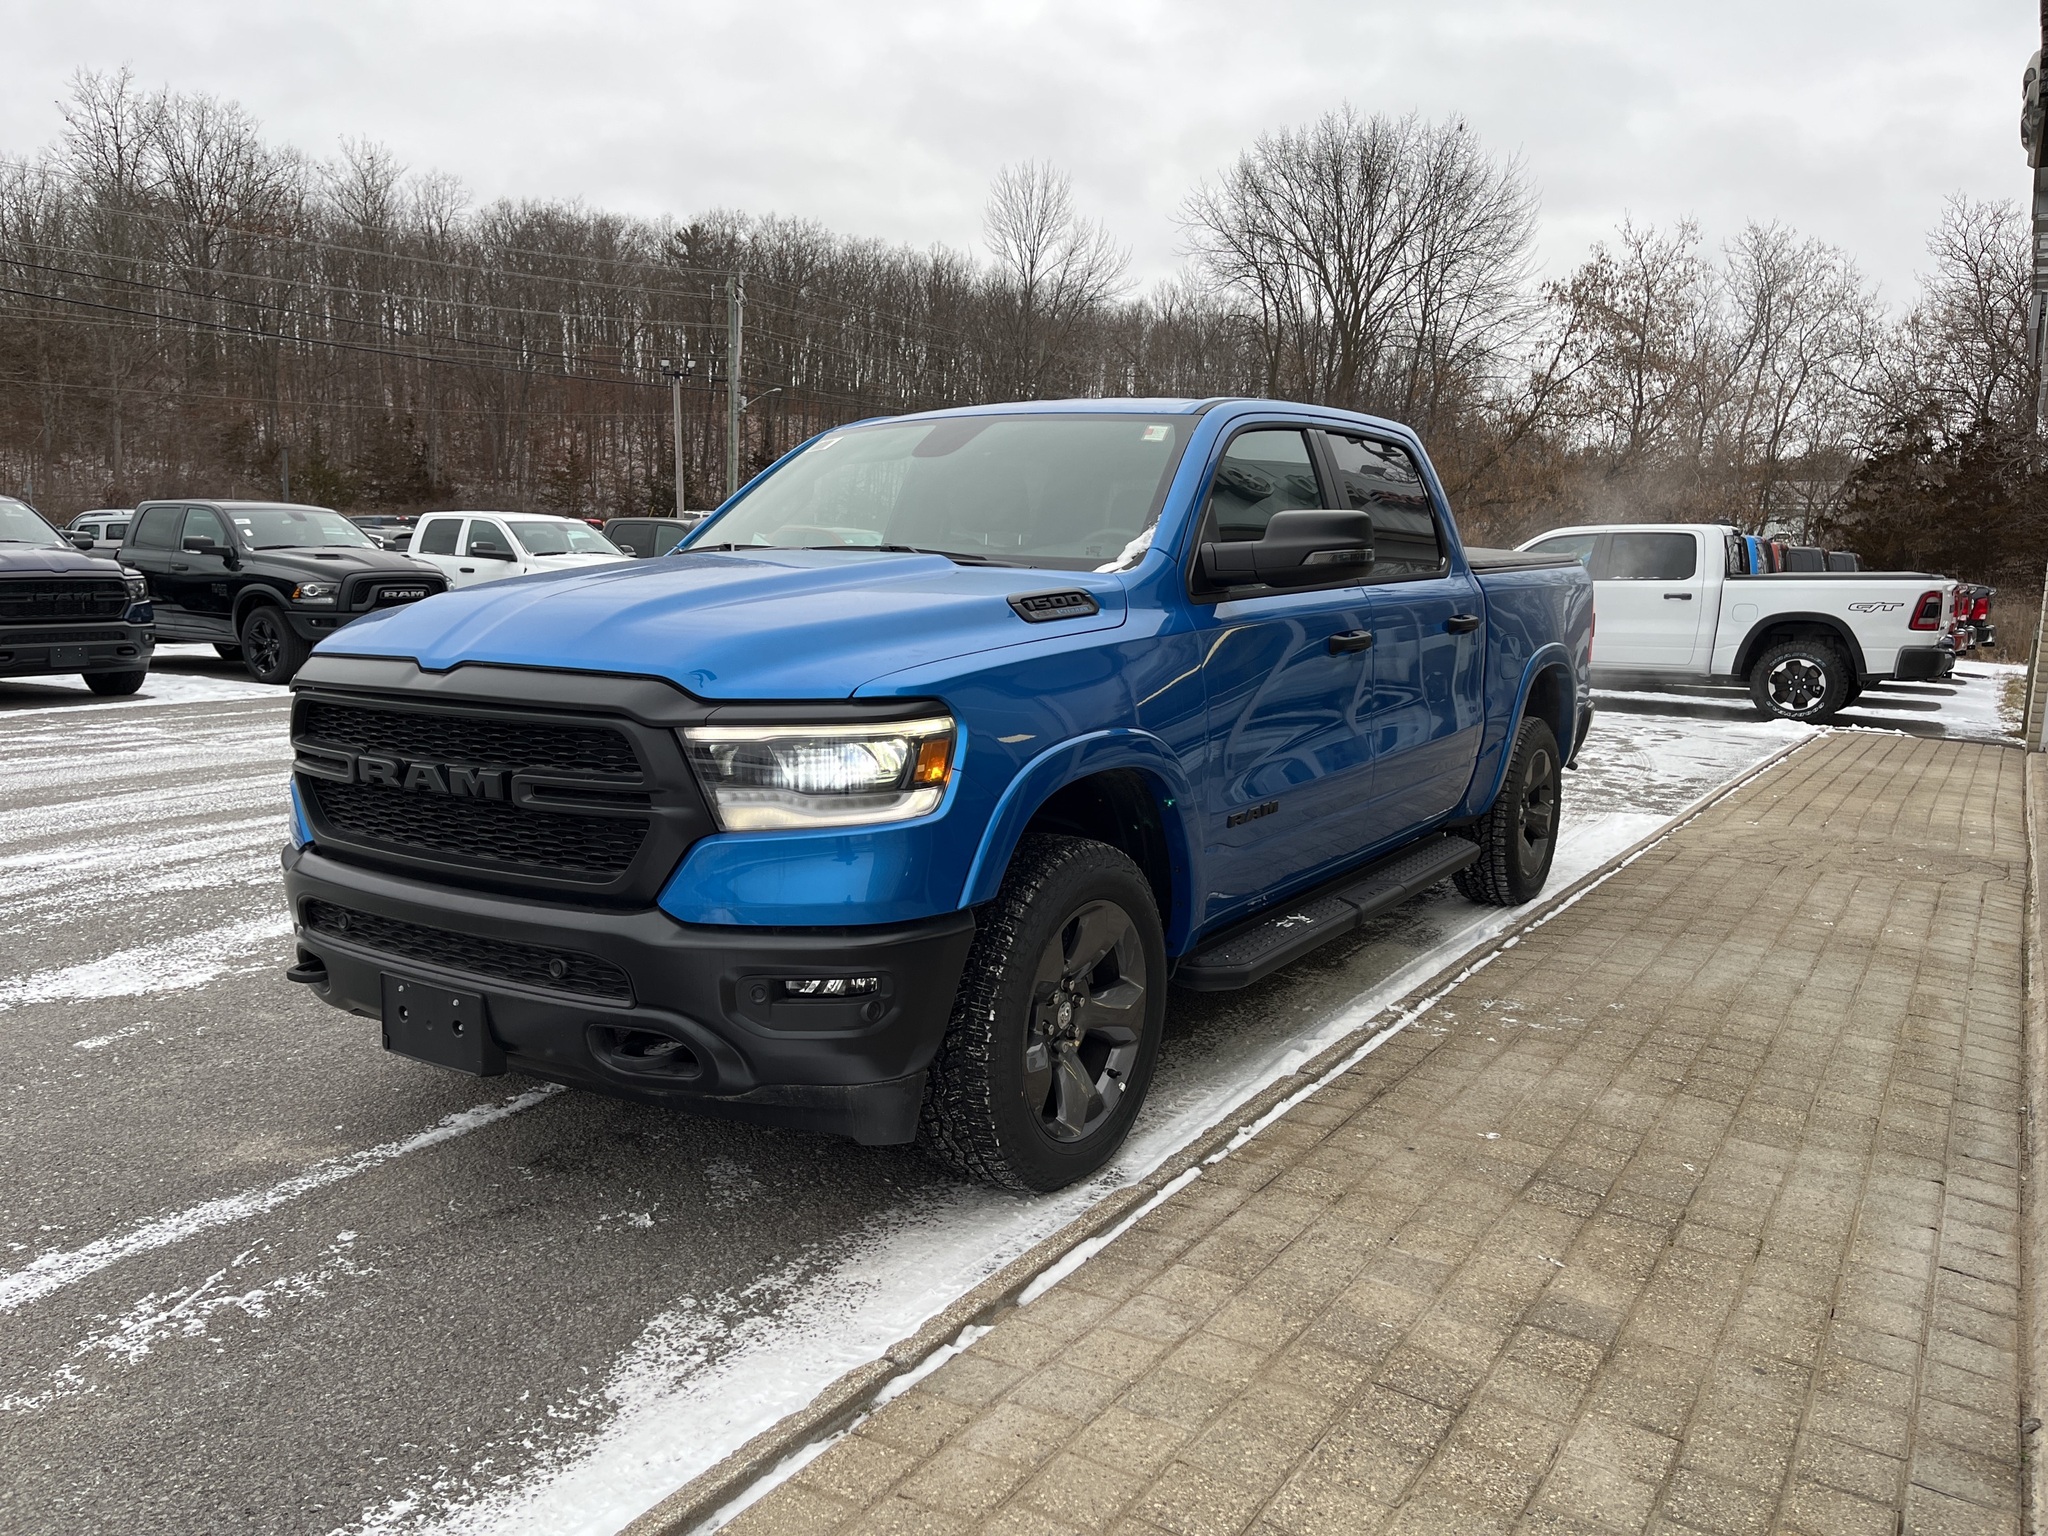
{"x": 38, "y": 560}
{"x": 346, "y": 561}
{"x": 782, "y": 624}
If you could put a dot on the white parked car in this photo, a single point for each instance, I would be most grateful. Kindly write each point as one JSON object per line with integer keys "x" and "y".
{"x": 473, "y": 547}
{"x": 1672, "y": 599}
{"x": 105, "y": 527}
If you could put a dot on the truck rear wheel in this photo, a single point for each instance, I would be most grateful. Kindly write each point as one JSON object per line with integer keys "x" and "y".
{"x": 1799, "y": 680}
{"x": 1517, "y": 836}
{"x": 1056, "y": 1024}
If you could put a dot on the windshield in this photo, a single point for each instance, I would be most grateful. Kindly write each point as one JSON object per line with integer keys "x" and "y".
{"x": 19, "y": 524}
{"x": 563, "y": 539}
{"x": 1072, "y": 493}
{"x": 297, "y": 528}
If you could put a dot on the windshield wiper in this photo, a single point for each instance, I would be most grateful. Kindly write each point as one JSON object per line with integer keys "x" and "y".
{"x": 958, "y": 557}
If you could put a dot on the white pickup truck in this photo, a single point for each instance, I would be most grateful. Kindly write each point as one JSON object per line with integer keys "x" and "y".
{"x": 1670, "y": 598}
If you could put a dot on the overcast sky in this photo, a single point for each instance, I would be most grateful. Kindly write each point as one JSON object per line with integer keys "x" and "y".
{"x": 1848, "y": 119}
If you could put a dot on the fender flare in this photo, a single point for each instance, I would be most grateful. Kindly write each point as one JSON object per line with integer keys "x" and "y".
{"x": 1752, "y": 642}
{"x": 1544, "y": 659}
{"x": 1080, "y": 758}
{"x": 248, "y": 598}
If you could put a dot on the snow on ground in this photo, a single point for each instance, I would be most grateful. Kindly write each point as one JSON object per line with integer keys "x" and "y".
{"x": 690, "y": 1391}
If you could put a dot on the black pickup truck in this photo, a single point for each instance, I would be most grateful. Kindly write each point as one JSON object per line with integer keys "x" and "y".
{"x": 265, "y": 581}
{"x": 62, "y": 610}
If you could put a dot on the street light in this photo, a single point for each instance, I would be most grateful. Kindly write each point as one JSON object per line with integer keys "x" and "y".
{"x": 753, "y": 400}
{"x": 675, "y": 373}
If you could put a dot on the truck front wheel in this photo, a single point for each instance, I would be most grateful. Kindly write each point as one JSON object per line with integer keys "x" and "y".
{"x": 1056, "y": 1024}
{"x": 271, "y": 652}
{"x": 1799, "y": 680}
{"x": 1517, "y": 836}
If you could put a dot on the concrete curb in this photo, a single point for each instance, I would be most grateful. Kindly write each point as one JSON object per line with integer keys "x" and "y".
{"x": 784, "y": 1446}
{"x": 2033, "y": 1232}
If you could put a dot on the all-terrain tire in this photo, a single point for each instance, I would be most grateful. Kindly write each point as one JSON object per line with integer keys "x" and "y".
{"x": 989, "y": 1105}
{"x": 1517, "y": 836}
{"x": 116, "y": 685}
{"x": 272, "y": 652}
{"x": 1806, "y": 680}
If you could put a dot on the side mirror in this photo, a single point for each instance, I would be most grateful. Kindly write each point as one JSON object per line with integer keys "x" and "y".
{"x": 208, "y": 547}
{"x": 484, "y": 549}
{"x": 1303, "y": 548}
{"x": 80, "y": 539}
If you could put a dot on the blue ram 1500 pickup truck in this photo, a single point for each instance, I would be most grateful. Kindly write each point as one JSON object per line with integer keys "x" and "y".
{"x": 890, "y": 803}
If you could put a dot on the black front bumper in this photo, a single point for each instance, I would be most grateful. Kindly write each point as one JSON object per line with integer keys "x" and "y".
{"x": 851, "y": 1065}
{"x": 43, "y": 650}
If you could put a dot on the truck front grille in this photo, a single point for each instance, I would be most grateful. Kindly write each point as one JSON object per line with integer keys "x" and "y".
{"x": 62, "y": 600}
{"x": 530, "y": 965}
{"x": 424, "y": 736}
{"x": 589, "y": 848}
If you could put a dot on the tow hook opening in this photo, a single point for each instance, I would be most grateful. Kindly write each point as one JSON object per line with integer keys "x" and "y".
{"x": 310, "y": 971}
{"x": 644, "y": 1052}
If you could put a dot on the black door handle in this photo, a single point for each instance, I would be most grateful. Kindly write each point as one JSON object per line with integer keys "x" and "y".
{"x": 467, "y": 570}
{"x": 1677, "y": 597}
{"x": 1461, "y": 623}
{"x": 176, "y": 567}
{"x": 1351, "y": 640}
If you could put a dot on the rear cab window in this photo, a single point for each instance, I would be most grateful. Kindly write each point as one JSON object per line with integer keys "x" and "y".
{"x": 1650, "y": 557}
{"x": 1381, "y": 478}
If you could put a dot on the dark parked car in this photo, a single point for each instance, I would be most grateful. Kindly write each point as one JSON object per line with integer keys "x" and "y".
{"x": 264, "y": 581}
{"x": 387, "y": 530}
{"x": 649, "y": 536}
{"x": 62, "y": 610}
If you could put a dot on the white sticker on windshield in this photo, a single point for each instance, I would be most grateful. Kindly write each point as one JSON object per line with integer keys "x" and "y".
{"x": 1157, "y": 434}
{"x": 823, "y": 443}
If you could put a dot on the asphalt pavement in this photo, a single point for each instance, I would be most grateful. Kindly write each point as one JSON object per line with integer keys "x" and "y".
{"x": 258, "y": 1276}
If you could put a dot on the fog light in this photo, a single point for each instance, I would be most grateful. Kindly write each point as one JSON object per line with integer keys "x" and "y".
{"x": 830, "y": 986}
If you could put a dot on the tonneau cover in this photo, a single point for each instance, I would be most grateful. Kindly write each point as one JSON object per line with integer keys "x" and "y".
{"x": 1484, "y": 560}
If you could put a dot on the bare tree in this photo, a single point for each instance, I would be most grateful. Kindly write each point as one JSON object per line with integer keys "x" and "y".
{"x": 1053, "y": 271}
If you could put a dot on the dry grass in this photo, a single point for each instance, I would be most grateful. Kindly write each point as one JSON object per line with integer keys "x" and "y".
{"x": 2018, "y": 616}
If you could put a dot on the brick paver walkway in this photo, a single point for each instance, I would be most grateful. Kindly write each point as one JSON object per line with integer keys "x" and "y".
{"x": 1696, "y": 1210}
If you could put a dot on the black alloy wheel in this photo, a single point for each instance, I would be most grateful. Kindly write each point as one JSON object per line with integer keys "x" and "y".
{"x": 1087, "y": 1020}
{"x": 1517, "y": 836}
{"x": 271, "y": 652}
{"x": 1803, "y": 680}
{"x": 1057, "y": 1021}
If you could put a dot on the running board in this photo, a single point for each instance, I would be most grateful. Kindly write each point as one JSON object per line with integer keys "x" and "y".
{"x": 1253, "y": 953}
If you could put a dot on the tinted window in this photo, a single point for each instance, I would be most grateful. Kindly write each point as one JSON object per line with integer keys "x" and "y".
{"x": 438, "y": 538}
{"x": 203, "y": 523}
{"x": 115, "y": 531}
{"x": 1650, "y": 557}
{"x": 157, "y": 528}
{"x": 1071, "y": 493}
{"x": 1261, "y": 473}
{"x": 1382, "y": 479}
{"x": 638, "y": 537}
{"x": 487, "y": 539}
{"x": 667, "y": 536}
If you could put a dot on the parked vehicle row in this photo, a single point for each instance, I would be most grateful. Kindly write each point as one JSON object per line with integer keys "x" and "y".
{"x": 1677, "y": 600}
{"x": 468, "y": 548}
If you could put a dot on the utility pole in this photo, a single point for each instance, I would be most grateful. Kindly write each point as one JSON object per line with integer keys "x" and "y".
{"x": 2034, "y": 139}
{"x": 674, "y": 373}
{"x": 284, "y": 471}
{"x": 735, "y": 322}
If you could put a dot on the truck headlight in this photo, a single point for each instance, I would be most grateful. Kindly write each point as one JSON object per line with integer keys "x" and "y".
{"x": 314, "y": 592}
{"x": 138, "y": 585}
{"x": 767, "y": 777}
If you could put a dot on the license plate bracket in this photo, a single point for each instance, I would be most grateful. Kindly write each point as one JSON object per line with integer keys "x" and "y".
{"x": 64, "y": 657}
{"x": 443, "y": 1025}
